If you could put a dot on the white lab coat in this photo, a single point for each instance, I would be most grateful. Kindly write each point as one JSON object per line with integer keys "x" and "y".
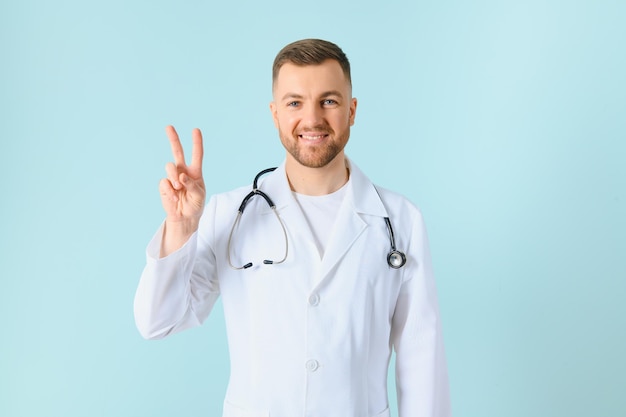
{"x": 309, "y": 337}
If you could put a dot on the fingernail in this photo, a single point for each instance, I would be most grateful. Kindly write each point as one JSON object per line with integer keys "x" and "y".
{"x": 176, "y": 184}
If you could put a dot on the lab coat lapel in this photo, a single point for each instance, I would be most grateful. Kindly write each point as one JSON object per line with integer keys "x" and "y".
{"x": 348, "y": 227}
{"x": 361, "y": 198}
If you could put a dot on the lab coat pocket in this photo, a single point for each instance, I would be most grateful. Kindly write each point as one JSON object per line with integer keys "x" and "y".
{"x": 231, "y": 410}
{"x": 385, "y": 413}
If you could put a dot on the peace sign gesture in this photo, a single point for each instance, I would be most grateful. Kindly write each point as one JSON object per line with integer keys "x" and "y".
{"x": 182, "y": 192}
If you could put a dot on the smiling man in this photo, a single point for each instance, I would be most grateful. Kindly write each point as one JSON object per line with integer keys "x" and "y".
{"x": 318, "y": 288}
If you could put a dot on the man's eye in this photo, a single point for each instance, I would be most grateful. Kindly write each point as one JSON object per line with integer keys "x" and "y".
{"x": 329, "y": 102}
{"x": 293, "y": 104}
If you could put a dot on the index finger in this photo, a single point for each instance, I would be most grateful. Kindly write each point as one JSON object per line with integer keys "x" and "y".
{"x": 177, "y": 148}
{"x": 197, "y": 151}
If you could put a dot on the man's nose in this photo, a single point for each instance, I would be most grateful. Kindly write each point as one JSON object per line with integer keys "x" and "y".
{"x": 312, "y": 115}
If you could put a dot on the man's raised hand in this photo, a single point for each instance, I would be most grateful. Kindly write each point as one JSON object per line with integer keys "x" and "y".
{"x": 182, "y": 192}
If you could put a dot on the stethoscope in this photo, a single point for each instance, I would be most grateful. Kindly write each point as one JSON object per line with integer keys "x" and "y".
{"x": 395, "y": 258}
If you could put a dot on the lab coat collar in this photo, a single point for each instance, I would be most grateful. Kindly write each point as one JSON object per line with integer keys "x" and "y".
{"x": 361, "y": 199}
{"x": 365, "y": 198}
{"x": 361, "y": 193}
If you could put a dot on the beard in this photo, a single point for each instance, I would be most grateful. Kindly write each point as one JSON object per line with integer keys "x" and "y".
{"x": 314, "y": 156}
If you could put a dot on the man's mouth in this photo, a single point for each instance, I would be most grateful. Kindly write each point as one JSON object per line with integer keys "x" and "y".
{"x": 312, "y": 136}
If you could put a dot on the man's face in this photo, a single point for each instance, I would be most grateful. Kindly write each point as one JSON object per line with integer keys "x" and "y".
{"x": 313, "y": 110}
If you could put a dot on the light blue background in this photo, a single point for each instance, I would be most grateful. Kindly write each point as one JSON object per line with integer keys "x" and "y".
{"x": 504, "y": 121}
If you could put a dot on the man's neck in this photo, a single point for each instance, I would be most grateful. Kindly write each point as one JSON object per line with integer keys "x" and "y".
{"x": 317, "y": 181}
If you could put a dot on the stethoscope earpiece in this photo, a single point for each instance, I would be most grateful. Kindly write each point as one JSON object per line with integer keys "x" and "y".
{"x": 242, "y": 207}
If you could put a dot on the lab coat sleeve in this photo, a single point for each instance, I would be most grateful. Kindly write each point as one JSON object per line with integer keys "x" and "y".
{"x": 178, "y": 291}
{"x": 421, "y": 371}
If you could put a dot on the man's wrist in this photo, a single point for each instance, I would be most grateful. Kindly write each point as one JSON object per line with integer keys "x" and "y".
{"x": 176, "y": 234}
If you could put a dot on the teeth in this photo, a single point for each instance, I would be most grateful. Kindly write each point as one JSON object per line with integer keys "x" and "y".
{"x": 312, "y": 137}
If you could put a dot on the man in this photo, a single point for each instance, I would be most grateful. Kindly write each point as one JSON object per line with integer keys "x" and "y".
{"x": 313, "y": 303}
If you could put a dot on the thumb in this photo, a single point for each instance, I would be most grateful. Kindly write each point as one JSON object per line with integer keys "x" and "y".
{"x": 186, "y": 180}
{"x": 192, "y": 186}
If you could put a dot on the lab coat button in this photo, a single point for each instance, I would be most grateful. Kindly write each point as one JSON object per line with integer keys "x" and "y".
{"x": 312, "y": 365}
{"x": 314, "y": 300}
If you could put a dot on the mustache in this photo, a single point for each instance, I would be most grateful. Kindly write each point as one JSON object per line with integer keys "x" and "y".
{"x": 325, "y": 129}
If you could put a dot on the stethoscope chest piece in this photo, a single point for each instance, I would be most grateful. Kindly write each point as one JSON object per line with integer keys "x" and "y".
{"x": 396, "y": 259}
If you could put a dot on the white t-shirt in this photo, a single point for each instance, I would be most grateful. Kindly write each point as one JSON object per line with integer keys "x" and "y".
{"x": 320, "y": 212}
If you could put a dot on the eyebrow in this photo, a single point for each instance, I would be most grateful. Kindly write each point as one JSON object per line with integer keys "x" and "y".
{"x": 326, "y": 94}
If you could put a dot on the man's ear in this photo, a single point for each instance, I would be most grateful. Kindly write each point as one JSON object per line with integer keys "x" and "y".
{"x": 353, "y": 104}
{"x": 274, "y": 109}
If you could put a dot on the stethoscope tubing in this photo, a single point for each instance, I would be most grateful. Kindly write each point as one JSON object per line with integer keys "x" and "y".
{"x": 395, "y": 259}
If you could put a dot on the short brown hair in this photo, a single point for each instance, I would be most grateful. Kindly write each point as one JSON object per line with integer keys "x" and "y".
{"x": 311, "y": 52}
